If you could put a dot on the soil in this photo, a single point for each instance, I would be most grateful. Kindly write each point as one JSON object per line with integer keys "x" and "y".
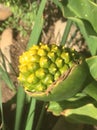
{"x": 16, "y": 45}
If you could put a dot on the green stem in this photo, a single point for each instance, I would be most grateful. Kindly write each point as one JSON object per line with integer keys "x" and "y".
{"x": 66, "y": 32}
{"x": 41, "y": 117}
{"x": 19, "y": 107}
{"x": 30, "y": 118}
{"x": 1, "y": 108}
{"x": 35, "y": 34}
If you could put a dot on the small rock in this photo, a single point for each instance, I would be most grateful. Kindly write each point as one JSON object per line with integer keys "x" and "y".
{"x": 6, "y": 41}
{"x": 59, "y": 30}
{"x": 5, "y": 12}
{"x": 6, "y": 38}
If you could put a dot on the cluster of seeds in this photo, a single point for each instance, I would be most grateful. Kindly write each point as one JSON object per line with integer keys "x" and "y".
{"x": 43, "y": 64}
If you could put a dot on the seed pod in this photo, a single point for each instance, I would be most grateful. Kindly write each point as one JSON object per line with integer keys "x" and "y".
{"x": 49, "y": 72}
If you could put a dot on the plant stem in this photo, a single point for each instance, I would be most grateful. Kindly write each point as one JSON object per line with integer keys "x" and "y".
{"x": 1, "y": 108}
{"x": 41, "y": 117}
{"x": 19, "y": 107}
{"x": 35, "y": 34}
{"x": 30, "y": 118}
{"x": 66, "y": 32}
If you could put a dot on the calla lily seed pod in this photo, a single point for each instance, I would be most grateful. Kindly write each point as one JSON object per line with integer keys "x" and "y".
{"x": 44, "y": 68}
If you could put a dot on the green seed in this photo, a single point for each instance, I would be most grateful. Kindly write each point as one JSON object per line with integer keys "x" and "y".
{"x": 41, "y": 73}
{"x": 44, "y": 62}
{"x": 64, "y": 68}
{"x": 52, "y": 68}
{"x": 65, "y": 56}
{"x": 59, "y": 62}
{"x": 48, "y": 79}
{"x": 52, "y": 56}
{"x": 57, "y": 75}
{"x": 56, "y": 49}
{"x": 32, "y": 66}
{"x": 40, "y": 87}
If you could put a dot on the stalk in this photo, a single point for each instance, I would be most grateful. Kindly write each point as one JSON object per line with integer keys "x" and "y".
{"x": 1, "y": 108}
{"x": 19, "y": 108}
{"x": 30, "y": 118}
{"x": 66, "y": 32}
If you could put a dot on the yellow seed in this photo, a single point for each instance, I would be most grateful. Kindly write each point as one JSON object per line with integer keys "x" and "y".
{"x": 52, "y": 56}
{"x": 41, "y": 73}
{"x": 44, "y": 46}
{"x": 34, "y": 58}
{"x": 21, "y": 77}
{"x": 23, "y": 68}
{"x": 65, "y": 56}
{"x": 41, "y": 52}
{"x": 59, "y": 62}
{"x": 32, "y": 79}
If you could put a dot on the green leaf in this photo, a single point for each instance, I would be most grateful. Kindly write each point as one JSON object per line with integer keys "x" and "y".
{"x": 19, "y": 107}
{"x": 85, "y": 19}
{"x": 81, "y": 9}
{"x": 78, "y": 111}
{"x": 84, "y": 114}
{"x": 91, "y": 90}
{"x": 30, "y": 117}
{"x": 1, "y": 108}
{"x": 4, "y": 75}
{"x": 92, "y": 63}
{"x": 66, "y": 32}
{"x": 84, "y": 9}
{"x": 88, "y": 33}
{"x": 58, "y": 107}
{"x": 64, "y": 8}
{"x": 55, "y": 108}
{"x": 35, "y": 34}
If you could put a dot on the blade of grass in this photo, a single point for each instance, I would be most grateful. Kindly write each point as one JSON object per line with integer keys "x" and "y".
{"x": 35, "y": 34}
{"x": 5, "y": 76}
{"x": 1, "y": 108}
{"x": 4, "y": 59}
{"x": 30, "y": 118}
{"x": 66, "y": 32}
{"x": 19, "y": 107}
